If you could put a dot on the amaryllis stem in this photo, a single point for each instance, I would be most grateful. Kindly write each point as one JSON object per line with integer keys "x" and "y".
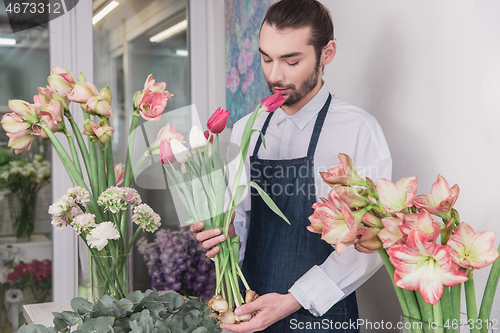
{"x": 74, "y": 153}
{"x": 128, "y": 177}
{"x": 446, "y": 305}
{"x": 455, "y": 295}
{"x": 470, "y": 300}
{"x": 110, "y": 164}
{"x": 438, "y": 316}
{"x": 92, "y": 172}
{"x": 489, "y": 294}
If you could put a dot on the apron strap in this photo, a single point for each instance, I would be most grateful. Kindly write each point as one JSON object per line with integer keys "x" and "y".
{"x": 259, "y": 140}
{"x": 320, "y": 120}
{"x": 318, "y": 126}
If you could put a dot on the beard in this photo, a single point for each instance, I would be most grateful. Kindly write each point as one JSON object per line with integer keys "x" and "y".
{"x": 305, "y": 87}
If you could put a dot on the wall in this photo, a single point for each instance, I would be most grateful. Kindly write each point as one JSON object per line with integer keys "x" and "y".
{"x": 429, "y": 72}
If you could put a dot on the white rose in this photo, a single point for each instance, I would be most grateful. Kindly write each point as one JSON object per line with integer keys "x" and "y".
{"x": 98, "y": 237}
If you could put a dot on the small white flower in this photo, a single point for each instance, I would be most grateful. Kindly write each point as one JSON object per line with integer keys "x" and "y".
{"x": 197, "y": 139}
{"x": 113, "y": 200}
{"x": 59, "y": 222}
{"x": 60, "y": 206}
{"x": 146, "y": 218}
{"x": 14, "y": 296}
{"x": 99, "y": 236}
{"x": 83, "y": 223}
{"x": 79, "y": 194}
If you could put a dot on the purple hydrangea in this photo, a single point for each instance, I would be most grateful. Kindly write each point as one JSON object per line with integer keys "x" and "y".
{"x": 176, "y": 261}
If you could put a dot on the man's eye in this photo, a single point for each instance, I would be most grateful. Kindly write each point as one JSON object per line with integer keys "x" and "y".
{"x": 293, "y": 63}
{"x": 266, "y": 60}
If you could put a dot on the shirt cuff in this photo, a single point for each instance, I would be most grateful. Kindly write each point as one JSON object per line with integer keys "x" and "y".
{"x": 307, "y": 289}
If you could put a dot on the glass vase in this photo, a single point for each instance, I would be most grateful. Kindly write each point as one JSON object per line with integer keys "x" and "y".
{"x": 22, "y": 208}
{"x": 413, "y": 325}
{"x": 110, "y": 275}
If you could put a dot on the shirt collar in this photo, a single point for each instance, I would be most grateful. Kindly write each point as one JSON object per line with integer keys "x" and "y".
{"x": 304, "y": 115}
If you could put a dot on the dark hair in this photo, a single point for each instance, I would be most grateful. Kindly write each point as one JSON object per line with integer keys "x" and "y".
{"x": 296, "y": 14}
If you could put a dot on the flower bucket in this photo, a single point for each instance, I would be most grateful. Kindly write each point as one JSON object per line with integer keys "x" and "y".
{"x": 110, "y": 275}
{"x": 22, "y": 208}
{"x": 413, "y": 325}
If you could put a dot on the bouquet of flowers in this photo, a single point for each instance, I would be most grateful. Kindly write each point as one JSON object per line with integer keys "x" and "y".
{"x": 176, "y": 261}
{"x": 97, "y": 210}
{"x": 34, "y": 278}
{"x": 24, "y": 179}
{"x": 428, "y": 261}
{"x": 203, "y": 182}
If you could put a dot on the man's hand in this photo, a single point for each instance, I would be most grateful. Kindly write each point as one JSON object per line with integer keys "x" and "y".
{"x": 209, "y": 239}
{"x": 270, "y": 308}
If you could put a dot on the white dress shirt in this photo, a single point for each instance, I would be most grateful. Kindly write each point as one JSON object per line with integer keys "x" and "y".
{"x": 347, "y": 129}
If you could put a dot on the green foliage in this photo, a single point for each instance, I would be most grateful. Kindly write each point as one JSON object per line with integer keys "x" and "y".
{"x": 137, "y": 313}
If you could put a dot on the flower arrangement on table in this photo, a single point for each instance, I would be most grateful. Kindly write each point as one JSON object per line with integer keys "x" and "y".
{"x": 34, "y": 279}
{"x": 428, "y": 261}
{"x": 202, "y": 183}
{"x": 24, "y": 179}
{"x": 97, "y": 210}
{"x": 177, "y": 262}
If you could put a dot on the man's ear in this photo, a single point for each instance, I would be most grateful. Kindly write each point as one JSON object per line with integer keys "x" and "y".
{"x": 328, "y": 53}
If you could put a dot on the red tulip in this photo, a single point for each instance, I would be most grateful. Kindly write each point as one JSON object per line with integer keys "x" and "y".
{"x": 207, "y": 135}
{"x": 218, "y": 121}
{"x": 271, "y": 103}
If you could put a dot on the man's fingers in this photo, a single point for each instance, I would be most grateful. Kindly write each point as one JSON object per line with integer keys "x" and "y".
{"x": 246, "y": 308}
{"x": 212, "y": 241}
{"x": 196, "y": 227}
{"x": 213, "y": 252}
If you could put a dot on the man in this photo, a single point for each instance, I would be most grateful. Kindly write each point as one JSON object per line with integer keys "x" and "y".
{"x": 299, "y": 276}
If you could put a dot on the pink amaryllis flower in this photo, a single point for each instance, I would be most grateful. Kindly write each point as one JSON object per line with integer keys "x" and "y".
{"x": 396, "y": 197}
{"x": 343, "y": 174}
{"x": 335, "y": 221}
{"x": 424, "y": 266}
{"x": 440, "y": 200}
{"x": 391, "y": 234}
{"x": 367, "y": 240}
{"x": 218, "y": 121}
{"x": 422, "y": 222}
{"x": 470, "y": 249}
{"x": 19, "y": 141}
{"x": 151, "y": 104}
{"x": 82, "y": 92}
{"x": 271, "y": 103}
{"x": 61, "y": 80}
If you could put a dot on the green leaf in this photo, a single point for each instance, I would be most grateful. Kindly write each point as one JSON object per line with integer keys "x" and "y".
{"x": 270, "y": 203}
{"x": 69, "y": 317}
{"x": 201, "y": 330}
{"x": 200, "y": 200}
{"x": 98, "y": 325}
{"x": 34, "y": 328}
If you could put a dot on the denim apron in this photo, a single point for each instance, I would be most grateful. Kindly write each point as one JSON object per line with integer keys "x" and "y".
{"x": 278, "y": 254}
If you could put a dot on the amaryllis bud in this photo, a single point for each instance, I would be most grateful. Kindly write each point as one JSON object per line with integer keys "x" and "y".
{"x": 207, "y": 135}
{"x": 218, "y": 121}
{"x": 82, "y": 92}
{"x": 63, "y": 100}
{"x": 197, "y": 138}
{"x": 88, "y": 127}
{"x": 21, "y": 140}
{"x": 99, "y": 105}
{"x": 43, "y": 96}
{"x": 12, "y": 123}
{"x": 181, "y": 153}
{"x": 106, "y": 92}
{"x": 103, "y": 133}
{"x": 271, "y": 103}
{"x": 21, "y": 108}
{"x": 61, "y": 80}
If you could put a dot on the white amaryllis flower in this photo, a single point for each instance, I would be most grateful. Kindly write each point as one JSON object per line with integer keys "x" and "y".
{"x": 181, "y": 153}
{"x": 14, "y": 296}
{"x": 99, "y": 236}
{"x": 146, "y": 218}
{"x": 197, "y": 139}
{"x": 83, "y": 223}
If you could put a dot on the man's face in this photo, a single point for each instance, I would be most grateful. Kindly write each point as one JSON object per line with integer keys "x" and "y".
{"x": 289, "y": 63}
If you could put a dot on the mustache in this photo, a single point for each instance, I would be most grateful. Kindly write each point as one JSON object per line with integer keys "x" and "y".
{"x": 280, "y": 85}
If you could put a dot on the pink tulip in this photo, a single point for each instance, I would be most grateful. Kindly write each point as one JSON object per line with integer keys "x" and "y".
{"x": 218, "y": 121}
{"x": 424, "y": 266}
{"x": 340, "y": 226}
{"x": 343, "y": 174}
{"x": 207, "y": 135}
{"x": 440, "y": 200}
{"x": 151, "y": 104}
{"x": 396, "y": 197}
{"x": 99, "y": 105}
{"x": 470, "y": 249}
{"x": 82, "y": 92}
{"x": 119, "y": 174}
{"x": 12, "y": 123}
{"x": 422, "y": 222}
{"x": 271, "y": 103}
{"x": 19, "y": 141}
{"x": 61, "y": 80}
{"x": 367, "y": 240}
{"x": 166, "y": 154}
{"x": 391, "y": 234}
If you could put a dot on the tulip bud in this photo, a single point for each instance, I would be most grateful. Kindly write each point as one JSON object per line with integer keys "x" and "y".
{"x": 88, "y": 127}
{"x": 106, "y": 92}
{"x": 181, "y": 153}
{"x": 207, "y": 135}
{"x": 271, "y": 103}
{"x": 197, "y": 138}
{"x": 218, "y": 121}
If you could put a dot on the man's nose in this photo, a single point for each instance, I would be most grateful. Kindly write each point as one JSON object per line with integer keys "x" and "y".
{"x": 276, "y": 74}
